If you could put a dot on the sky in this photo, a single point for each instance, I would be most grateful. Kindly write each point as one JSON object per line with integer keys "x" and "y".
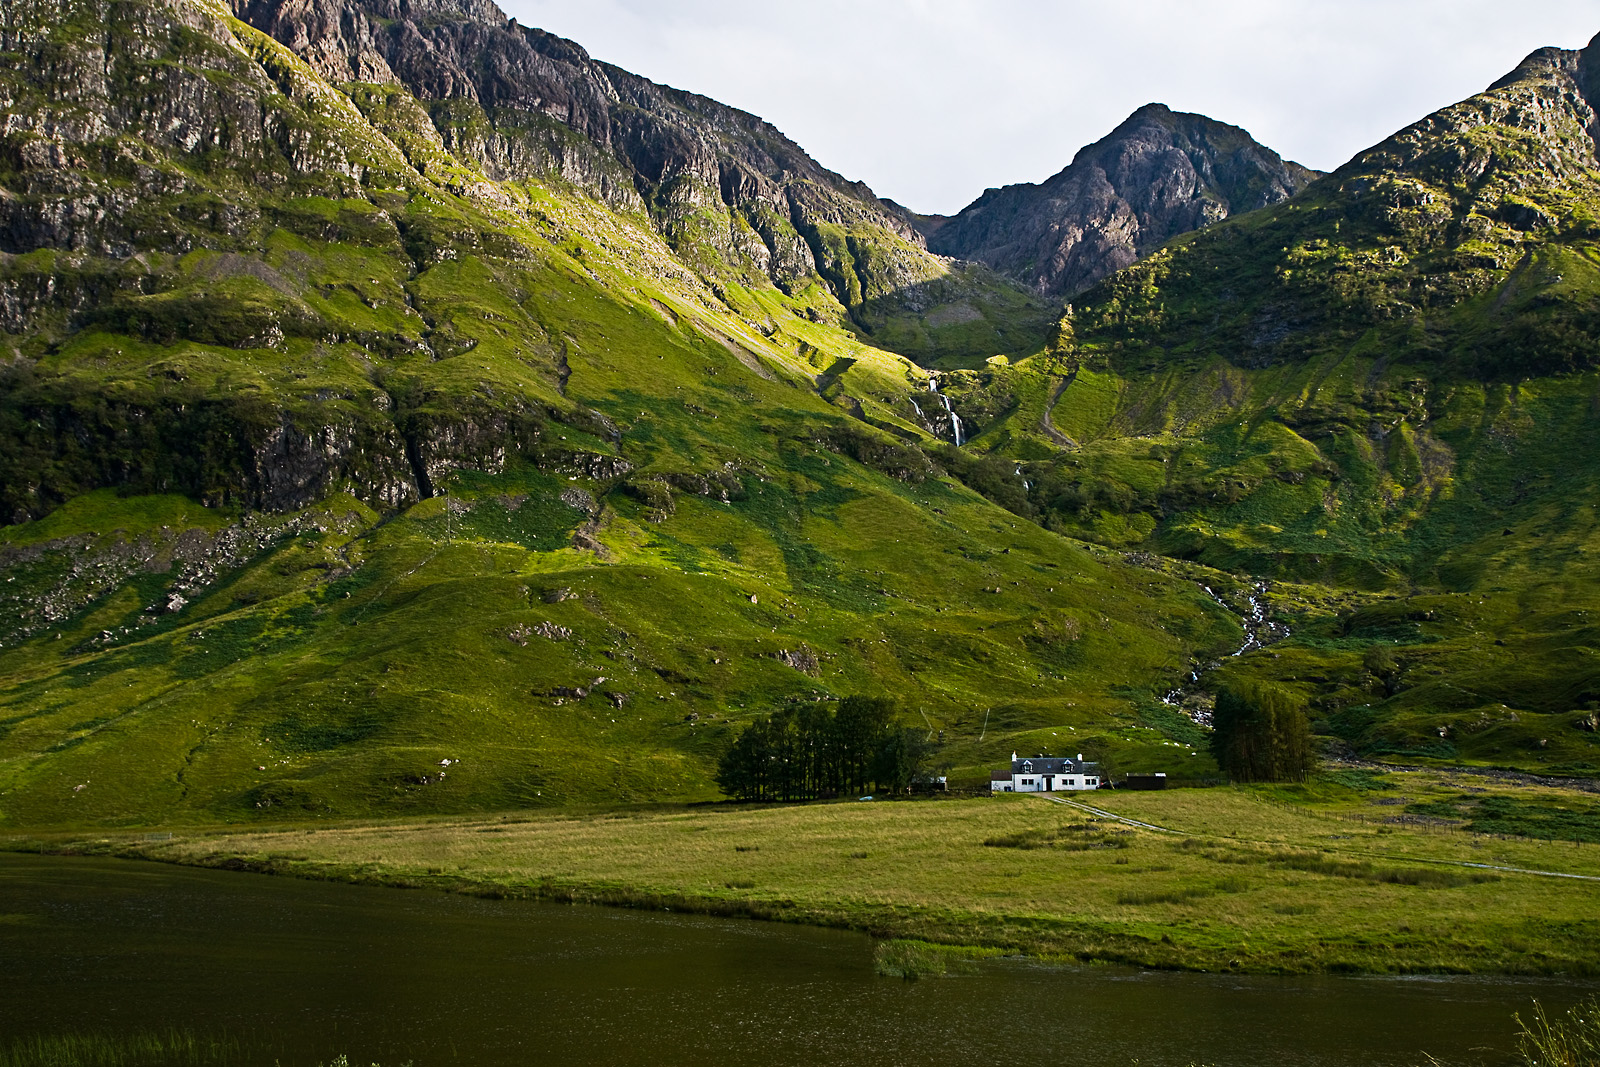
{"x": 932, "y": 101}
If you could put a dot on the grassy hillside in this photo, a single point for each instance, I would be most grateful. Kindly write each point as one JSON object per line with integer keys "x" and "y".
{"x": 352, "y": 469}
{"x": 334, "y": 668}
{"x": 332, "y": 458}
{"x": 1379, "y": 396}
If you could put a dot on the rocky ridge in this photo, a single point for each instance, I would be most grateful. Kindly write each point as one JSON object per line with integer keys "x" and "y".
{"x": 1161, "y": 173}
{"x": 255, "y": 221}
{"x": 1463, "y": 242}
{"x": 727, "y": 189}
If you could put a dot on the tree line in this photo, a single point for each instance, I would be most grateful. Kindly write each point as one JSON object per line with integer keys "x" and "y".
{"x": 1259, "y": 733}
{"x": 817, "y": 751}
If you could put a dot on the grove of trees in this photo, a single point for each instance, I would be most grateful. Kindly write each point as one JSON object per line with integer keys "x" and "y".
{"x": 1260, "y": 734}
{"x": 817, "y": 751}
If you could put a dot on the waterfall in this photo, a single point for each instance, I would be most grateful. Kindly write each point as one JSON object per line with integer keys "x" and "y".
{"x": 1259, "y": 631}
{"x": 955, "y": 420}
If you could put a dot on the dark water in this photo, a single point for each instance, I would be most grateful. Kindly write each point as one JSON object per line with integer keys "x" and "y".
{"x": 302, "y": 971}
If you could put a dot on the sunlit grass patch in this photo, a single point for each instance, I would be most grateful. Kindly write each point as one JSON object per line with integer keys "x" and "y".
{"x": 912, "y": 960}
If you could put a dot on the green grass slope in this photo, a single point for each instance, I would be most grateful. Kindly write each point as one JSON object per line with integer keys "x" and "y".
{"x": 346, "y": 480}
{"x": 1380, "y": 396}
{"x": 336, "y": 666}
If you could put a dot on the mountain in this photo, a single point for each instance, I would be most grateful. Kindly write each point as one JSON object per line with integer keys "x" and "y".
{"x": 732, "y": 196}
{"x": 1161, "y": 173}
{"x": 1381, "y": 388}
{"x": 402, "y": 413}
{"x": 1462, "y": 240}
{"x": 387, "y": 385}
{"x": 727, "y": 190}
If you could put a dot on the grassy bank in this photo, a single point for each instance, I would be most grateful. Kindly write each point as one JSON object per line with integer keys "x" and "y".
{"x": 1340, "y": 876}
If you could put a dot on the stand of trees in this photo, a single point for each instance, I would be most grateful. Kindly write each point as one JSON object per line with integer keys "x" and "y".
{"x": 815, "y": 751}
{"x": 1260, "y": 734}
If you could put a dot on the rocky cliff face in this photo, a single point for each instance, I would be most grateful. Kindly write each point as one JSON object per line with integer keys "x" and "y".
{"x": 725, "y": 188}
{"x": 264, "y": 253}
{"x": 1160, "y": 174}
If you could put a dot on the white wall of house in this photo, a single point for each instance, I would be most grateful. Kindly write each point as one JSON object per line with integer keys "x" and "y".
{"x": 1058, "y": 783}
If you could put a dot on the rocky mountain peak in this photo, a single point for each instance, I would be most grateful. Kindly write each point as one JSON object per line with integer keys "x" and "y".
{"x": 1460, "y": 243}
{"x": 1160, "y": 173}
{"x": 508, "y": 98}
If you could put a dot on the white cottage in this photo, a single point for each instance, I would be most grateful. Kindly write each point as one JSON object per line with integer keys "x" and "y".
{"x": 1045, "y": 774}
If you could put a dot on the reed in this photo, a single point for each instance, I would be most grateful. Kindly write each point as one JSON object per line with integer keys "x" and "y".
{"x": 911, "y": 960}
{"x": 149, "y": 1048}
{"x": 1569, "y": 1040}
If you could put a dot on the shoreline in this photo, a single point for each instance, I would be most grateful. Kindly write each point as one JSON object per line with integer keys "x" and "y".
{"x": 1002, "y": 876}
{"x": 626, "y": 898}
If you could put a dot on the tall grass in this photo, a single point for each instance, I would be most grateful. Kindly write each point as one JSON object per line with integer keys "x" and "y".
{"x": 1571, "y": 1040}
{"x": 912, "y": 960}
{"x": 1073, "y": 837}
{"x": 156, "y": 1048}
{"x": 1437, "y": 877}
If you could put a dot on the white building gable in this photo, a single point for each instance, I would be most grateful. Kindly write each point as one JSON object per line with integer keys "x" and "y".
{"x": 1046, "y": 774}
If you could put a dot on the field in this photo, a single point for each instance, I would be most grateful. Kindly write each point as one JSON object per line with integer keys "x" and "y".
{"x": 1344, "y": 875}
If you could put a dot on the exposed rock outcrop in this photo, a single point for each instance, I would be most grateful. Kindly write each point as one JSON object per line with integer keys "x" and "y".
{"x": 1160, "y": 174}
{"x": 510, "y": 98}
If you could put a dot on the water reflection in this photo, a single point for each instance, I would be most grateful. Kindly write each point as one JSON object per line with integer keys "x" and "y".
{"x": 305, "y": 971}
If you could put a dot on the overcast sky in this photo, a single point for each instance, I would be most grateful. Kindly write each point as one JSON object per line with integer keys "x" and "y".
{"x": 932, "y": 101}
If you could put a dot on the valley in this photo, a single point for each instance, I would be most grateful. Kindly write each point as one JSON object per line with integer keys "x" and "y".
{"x": 413, "y": 428}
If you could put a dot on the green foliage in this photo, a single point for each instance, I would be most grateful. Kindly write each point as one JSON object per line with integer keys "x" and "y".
{"x": 1260, "y": 734}
{"x": 816, "y": 751}
{"x": 992, "y": 476}
{"x": 1359, "y": 780}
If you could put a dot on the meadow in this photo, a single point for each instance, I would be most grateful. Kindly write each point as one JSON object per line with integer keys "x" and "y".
{"x": 1341, "y": 875}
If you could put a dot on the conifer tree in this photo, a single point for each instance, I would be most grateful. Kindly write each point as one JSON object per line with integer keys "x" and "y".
{"x": 1260, "y": 734}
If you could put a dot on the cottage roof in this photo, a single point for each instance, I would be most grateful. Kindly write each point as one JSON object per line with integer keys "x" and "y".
{"x": 1052, "y": 765}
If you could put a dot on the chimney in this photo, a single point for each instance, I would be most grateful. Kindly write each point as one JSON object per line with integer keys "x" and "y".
{"x": 1080, "y": 757}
